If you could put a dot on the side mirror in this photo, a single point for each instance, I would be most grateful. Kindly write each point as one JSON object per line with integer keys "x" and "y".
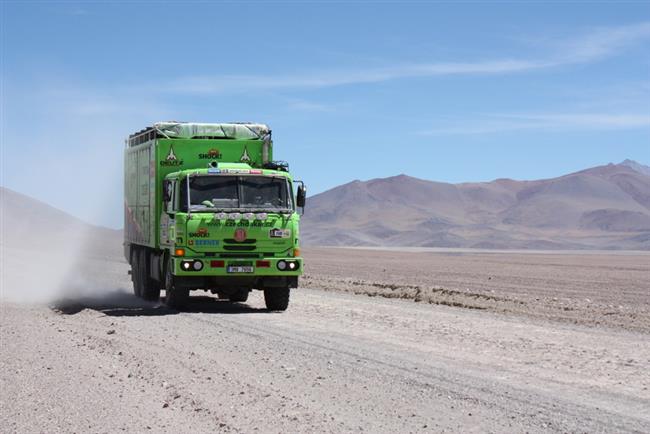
{"x": 301, "y": 196}
{"x": 167, "y": 191}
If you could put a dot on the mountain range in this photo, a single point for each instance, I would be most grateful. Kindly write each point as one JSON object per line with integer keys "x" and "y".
{"x": 604, "y": 207}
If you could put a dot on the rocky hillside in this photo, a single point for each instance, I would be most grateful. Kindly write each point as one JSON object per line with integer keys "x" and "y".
{"x": 602, "y": 207}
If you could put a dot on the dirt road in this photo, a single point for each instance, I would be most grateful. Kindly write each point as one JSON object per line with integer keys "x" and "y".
{"x": 334, "y": 362}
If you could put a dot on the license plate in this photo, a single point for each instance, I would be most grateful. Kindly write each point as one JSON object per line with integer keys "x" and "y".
{"x": 240, "y": 269}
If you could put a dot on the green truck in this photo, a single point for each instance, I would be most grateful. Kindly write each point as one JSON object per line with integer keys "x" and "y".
{"x": 206, "y": 207}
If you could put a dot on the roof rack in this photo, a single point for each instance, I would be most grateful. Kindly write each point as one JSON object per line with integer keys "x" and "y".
{"x": 277, "y": 165}
{"x": 194, "y": 130}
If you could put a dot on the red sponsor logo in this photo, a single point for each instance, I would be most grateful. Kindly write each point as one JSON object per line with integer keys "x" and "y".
{"x": 210, "y": 155}
{"x": 240, "y": 235}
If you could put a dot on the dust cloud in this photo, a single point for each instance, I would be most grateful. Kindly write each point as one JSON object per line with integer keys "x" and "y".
{"x": 73, "y": 268}
{"x": 48, "y": 255}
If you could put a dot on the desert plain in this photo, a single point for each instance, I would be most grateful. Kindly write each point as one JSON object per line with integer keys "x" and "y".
{"x": 375, "y": 340}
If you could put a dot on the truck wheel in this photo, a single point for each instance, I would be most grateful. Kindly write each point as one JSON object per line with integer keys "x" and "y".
{"x": 149, "y": 290}
{"x": 175, "y": 298}
{"x": 136, "y": 272}
{"x": 240, "y": 296}
{"x": 276, "y": 298}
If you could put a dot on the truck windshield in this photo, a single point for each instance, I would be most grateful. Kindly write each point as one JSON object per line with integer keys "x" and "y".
{"x": 237, "y": 193}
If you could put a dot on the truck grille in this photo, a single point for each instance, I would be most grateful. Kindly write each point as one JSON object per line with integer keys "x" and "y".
{"x": 233, "y": 241}
{"x": 240, "y": 248}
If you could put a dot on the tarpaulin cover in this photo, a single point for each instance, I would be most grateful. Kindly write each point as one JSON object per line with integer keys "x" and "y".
{"x": 188, "y": 130}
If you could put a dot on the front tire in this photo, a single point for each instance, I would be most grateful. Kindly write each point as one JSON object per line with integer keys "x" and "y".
{"x": 240, "y": 296}
{"x": 276, "y": 299}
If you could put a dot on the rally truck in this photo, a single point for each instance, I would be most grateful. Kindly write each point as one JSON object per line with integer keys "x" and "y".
{"x": 207, "y": 208}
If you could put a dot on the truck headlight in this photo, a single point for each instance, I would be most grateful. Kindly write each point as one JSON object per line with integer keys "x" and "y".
{"x": 198, "y": 265}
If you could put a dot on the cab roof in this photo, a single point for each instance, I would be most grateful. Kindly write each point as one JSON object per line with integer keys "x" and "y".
{"x": 229, "y": 169}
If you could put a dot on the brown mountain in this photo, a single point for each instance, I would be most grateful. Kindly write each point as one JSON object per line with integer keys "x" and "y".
{"x": 29, "y": 224}
{"x": 602, "y": 207}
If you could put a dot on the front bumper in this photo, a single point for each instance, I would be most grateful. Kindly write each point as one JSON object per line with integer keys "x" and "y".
{"x": 213, "y": 266}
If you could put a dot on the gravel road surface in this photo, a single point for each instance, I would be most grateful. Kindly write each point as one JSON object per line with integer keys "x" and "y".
{"x": 334, "y": 362}
{"x": 609, "y": 289}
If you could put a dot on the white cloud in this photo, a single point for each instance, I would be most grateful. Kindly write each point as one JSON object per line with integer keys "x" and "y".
{"x": 500, "y": 123}
{"x": 234, "y": 83}
{"x": 602, "y": 43}
{"x": 593, "y": 46}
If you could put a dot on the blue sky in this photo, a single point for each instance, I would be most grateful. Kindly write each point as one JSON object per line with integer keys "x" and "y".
{"x": 442, "y": 91}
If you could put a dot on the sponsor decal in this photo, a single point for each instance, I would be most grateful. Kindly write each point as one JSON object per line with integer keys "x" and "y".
{"x": 245, "y": 158}
{"x": 210, "y": 243}
{"x": 279, "y": 233}
{"x": 201, "y": 233}
{"x": 212, "y": 154}
{"x": 171, "y": 159}
{"x": 240, "y": 235}
{"x": 246, "y": 223}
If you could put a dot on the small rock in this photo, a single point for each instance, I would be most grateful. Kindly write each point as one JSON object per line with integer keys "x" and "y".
{"x": 110, "y": 332}
{"x": 165, "y": 405}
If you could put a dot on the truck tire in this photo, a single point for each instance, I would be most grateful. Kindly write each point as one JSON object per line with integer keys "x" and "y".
{"x": 175, "y": 297}
{"x": 276, "y": 298}
{"x": 149, "y": 290}
{"x": 240, "y": 296}
{"x": 136, "y": 272}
